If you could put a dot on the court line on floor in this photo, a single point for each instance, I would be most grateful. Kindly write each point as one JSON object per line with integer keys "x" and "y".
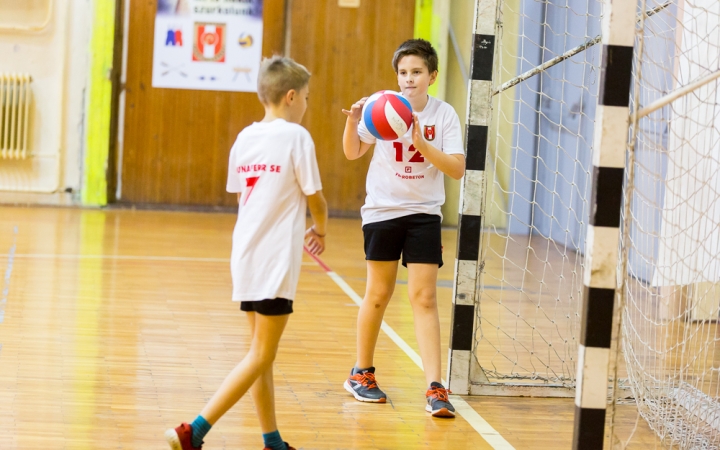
{"x": 122, "y": 257}
{"x": 486, "y": 431}
{"x": 441, "y": 283}
{"x": 8, "y": 274}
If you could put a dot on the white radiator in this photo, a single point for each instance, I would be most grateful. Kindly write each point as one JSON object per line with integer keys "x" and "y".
{"x": 15, "y": 98}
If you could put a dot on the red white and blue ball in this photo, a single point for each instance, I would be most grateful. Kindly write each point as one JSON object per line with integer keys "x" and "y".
{"x": 387, "y": 115}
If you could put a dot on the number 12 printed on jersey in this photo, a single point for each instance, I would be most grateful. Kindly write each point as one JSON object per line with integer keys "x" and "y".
{"x": 417, "y": 157}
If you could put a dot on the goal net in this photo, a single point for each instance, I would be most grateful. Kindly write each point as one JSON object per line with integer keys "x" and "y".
{"x": 671, "y": 244}
{"x": 538, "y": 173}
{"x": 538, "y": 180}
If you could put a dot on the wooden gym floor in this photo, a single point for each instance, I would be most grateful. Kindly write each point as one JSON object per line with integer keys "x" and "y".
{"x": 118, "y": 324}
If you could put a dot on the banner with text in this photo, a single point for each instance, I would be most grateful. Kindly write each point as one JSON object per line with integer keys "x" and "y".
{"x": 208, "y": 44}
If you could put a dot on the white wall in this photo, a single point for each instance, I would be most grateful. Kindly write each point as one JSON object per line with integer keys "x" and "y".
{"x": 57, "y": 59}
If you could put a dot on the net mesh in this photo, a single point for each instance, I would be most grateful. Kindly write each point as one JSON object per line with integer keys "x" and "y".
{"x": 538, "y": 181}
{"x": 671, "y": 249}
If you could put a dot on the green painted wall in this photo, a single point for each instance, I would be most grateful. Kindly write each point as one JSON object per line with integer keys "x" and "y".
{"x": 98, "y": 110}
{"x": 429, "y": 26}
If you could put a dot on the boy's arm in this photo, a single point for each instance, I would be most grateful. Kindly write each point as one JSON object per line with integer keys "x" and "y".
{"x": 315, "y": 235}
{"x": 453, "y": 165}
{"x": 353, "y": 147}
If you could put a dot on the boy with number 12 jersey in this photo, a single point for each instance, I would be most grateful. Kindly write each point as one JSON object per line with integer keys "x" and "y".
{"x": 401, "y": 217}
{"x": 400, "y": 180}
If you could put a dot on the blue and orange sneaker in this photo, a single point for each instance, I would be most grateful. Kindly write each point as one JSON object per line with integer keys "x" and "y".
{"x": 363, "y": 387}
{"x": 180, "y": 438}
{"x": 438, "y": 403}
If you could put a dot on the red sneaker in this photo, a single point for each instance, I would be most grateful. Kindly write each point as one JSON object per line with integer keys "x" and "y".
{"x": 180, "y": 438}
{"x": 288, "y": 446}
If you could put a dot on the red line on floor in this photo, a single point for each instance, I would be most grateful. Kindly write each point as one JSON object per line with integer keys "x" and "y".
{"x": 317, "y": 259}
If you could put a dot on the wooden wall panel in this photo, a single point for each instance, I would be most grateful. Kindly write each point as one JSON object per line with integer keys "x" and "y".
{"x": 177, "y": 142}
{"x": 349, "y": 52}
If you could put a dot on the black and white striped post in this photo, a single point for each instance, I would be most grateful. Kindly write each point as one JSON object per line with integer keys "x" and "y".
{"x": 601, "y": 254}
{"x": 472, "y": 195}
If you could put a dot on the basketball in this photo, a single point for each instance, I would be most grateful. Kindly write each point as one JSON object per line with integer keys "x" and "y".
{"x": 387, "y": 115}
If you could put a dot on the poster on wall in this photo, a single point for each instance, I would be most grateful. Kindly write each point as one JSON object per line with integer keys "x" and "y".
{"x": 207, "y": 44}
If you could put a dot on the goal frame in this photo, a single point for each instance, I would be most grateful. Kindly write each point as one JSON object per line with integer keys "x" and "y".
{"x": 465, "y": 375}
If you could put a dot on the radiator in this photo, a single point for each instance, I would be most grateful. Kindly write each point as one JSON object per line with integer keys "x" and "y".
{"x": 15, "y": 98}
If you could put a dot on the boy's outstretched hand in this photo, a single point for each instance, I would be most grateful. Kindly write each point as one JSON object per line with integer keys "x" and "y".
{"x": 314, "y": 243}
{"x": 417, "y": 137}
{"x": 356, "y": 109}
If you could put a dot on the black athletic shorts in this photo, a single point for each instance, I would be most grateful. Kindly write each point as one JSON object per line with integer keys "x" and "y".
{"x": 417, "y": 237}
{"x": 270, "y": 307}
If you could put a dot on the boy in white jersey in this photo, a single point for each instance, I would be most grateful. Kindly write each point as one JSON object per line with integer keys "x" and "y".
{"x": 274, "y": 172}
{"x": 401, "y": 216}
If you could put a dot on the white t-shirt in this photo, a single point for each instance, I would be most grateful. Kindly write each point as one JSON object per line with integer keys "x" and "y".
{"x": 400, "y": 182}
{"x": 273, "y": 165}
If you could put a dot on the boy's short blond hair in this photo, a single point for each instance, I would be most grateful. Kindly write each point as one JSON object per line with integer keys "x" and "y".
{"x": 277, "y": 76}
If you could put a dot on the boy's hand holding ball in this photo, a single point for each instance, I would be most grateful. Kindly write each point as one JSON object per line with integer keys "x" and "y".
{"x": 355, "y": 112}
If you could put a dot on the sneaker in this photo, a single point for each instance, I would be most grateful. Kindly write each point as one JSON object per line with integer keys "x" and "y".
{"x": 288, "y": 446}
{"x": 438, "y": 403}
{"x": 180, "y": 438}
{"x": 364, "y": 388}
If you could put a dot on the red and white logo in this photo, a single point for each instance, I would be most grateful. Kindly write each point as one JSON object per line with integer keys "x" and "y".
{"x": 429, "y": 132}
{"x": 250, "y": 185}
{"x": 209, "y": 42}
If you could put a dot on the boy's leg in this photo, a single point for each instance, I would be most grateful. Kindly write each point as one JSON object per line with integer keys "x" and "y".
{"x": 263, "y": 393}
{"x": 266, "y": 336}
{"x": 266, "y": 333}
{"x": 422, "y": 280}
{"x": 381, "y": 278}
{"x": 422, "y": 290}
{"x": 380, "y": 286}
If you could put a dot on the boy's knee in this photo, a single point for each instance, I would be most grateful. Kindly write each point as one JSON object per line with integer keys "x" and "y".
{"x": 263, "y": 357}
{"x": 378, "y": 298}
{"x": 424, "y": 298}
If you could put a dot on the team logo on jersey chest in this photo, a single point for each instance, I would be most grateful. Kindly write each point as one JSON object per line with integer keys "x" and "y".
{"x": 429, "y": 132}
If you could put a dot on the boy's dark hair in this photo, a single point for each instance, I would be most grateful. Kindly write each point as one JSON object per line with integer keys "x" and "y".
{"x": 418, "y": 47}
{"x": 277, "y": 76}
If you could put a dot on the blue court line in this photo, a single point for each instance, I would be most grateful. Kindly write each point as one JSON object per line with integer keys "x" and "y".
{"x": 443, "y": 284}
{"x": 8, "y": 274}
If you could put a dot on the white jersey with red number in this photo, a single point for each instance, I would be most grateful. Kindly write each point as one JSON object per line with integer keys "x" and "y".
{"x": 273, "y": 166}
{"x": 400, "y": 182}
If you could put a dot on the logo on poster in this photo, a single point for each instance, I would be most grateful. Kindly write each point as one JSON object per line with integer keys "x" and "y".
{"x": 245, "y": 40}
{"x": 174, "y": 38}
{"x": 209, "y": 42}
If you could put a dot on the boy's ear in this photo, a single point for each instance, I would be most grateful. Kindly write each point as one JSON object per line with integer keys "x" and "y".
{"x": 433, "y": 77}
{"x": 290, "y": 96}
